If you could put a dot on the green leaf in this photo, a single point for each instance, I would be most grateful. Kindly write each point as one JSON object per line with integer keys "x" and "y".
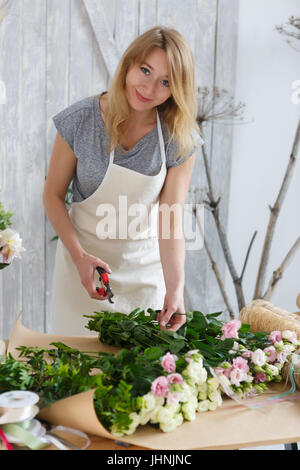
{"x": 4, "y": 265}
{"x": 154, "y": 353}
{"x": 213, "y": 315}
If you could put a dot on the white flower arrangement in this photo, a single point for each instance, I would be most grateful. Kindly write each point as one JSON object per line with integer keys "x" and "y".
{"x": 10, "y": 241}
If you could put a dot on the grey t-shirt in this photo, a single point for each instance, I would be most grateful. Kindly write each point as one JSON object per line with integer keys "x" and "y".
{"x": 82, "y": 127}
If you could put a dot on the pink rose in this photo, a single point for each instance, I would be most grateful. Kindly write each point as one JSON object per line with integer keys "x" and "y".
{"x": 259, "y": 377}
{"x": 160, "y": 387}
{"x": 230, "y": 329}
{"x": 281, "y": 357}
{"x": 168, "y": 362}
{"x": 275, "y": 336}
{"x": 237, "y": 376}
{"x": 175, "y": 379}
{"x": 240, "y": 363}
{"x": 247, "y": 354}
{"x": 226, "y": 372}
{"x": 272, "y": 356}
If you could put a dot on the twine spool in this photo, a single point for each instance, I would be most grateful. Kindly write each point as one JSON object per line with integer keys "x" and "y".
{"x": 262, "y": 315}
{"x": 286, "y": 368}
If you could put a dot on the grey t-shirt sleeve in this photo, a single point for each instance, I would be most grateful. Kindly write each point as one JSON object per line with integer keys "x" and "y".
{"x": 172, "y": 149}
{"x": 67, "y": 123}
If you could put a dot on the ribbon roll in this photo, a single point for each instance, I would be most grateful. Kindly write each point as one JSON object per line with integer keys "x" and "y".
{"x": 18, "y": 405}
{"x": 33, "y": 435}
{"x": 18, "y": 399}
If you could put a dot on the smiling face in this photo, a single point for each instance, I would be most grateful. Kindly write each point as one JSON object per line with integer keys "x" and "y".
{"x": 147, "y": 83}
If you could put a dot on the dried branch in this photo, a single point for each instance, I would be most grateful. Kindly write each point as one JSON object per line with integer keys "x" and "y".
{"x": 215, "y": 104}
{"x": 222, "y": 234}
{"x": 291, "y": 29}
{"x": 278, "y": 273}
{"x": 247, "y": 255}
{"x": 274, "y": 213}
{"x": 215, "y": 268}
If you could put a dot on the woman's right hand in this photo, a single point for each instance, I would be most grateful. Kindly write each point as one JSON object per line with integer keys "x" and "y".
{"x": 86, "y": 265}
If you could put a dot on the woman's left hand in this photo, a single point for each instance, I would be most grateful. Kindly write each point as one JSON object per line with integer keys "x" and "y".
{"x": 173, "y": 303}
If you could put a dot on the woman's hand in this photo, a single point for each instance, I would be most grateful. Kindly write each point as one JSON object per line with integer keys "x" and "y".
{"x": 173, "y": 304}
{"x": 86, "y": 265}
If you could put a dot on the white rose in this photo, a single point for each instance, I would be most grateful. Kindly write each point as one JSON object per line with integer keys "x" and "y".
{"x": 11, "y": 241}
{"x": 172, "y": 424}
{"x": 212, "y": 406}
{"x": 153, "y": 414}
{"x": 159, "y": 401}
{"x": 288, "y": 348}
{"x": 145, "y": 417}
{"x": 195, "y": 372}
{"x": 202, "y": 376}
{"x": 135, "y": 422}
{"x": 149, "y": 402}
{"x": 213, "y": 384}
{"x": 114, "y": 430}
{"x": 187, "y": 392}
{"x": 174, "y": 407}
{"x": 193, "y": 401}
{"x": 165, "y": 414}
{"x": 202, "y": 391}
{"x": 178, "y": 418}
{"x": 202, "y": 388}
{"x": 278, "y": 365}
{"x": 216, "y": 397}
{"x": 249, "y": 378}
{"x": 169, "y": 426}
{"x": 189, "y": 411}
{"x": 278, "y": 344}
{"x": 258, "y": 357}
{"x": 289, "y": 335}
{"x": 271, "y": 369}
{"x": 203, "y": 406}
{"x": 195, "y": 356}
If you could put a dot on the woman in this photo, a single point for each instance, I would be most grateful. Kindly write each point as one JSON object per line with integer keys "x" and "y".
{"x": 130, "y": 151}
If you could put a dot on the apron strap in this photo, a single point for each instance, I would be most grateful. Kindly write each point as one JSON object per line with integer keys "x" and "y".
{"x": 161, "y": 140}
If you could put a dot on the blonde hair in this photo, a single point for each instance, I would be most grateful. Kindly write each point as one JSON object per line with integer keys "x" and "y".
{"x": 179, "y": 111}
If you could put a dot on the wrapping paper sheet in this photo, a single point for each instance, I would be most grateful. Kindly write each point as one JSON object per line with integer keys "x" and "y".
{"x": 231, "y": 426}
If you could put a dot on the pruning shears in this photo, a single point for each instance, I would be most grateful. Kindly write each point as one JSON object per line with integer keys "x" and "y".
{"x": 105, "y": 290}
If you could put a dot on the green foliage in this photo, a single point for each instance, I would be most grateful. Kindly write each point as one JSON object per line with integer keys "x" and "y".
{"x": 62, "y": 371}
{"x": 140, "y": 329}
{"x": 119, "y": 380}
{"x": 5, "y": 217}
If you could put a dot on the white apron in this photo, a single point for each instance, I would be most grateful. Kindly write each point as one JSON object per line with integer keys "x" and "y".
{"x": 133, "y": 256}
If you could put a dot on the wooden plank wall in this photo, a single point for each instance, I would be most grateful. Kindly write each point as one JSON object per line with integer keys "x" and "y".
{"x": 55, "y": 53}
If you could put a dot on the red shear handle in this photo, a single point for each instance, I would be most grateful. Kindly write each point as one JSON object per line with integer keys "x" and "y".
{"x": 101, "y": 291}
{"x": 105, "y": 278}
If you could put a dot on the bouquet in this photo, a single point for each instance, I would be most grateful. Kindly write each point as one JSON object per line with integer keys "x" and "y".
{"x": 242, "y": 361}
{"x": 171, "y": 379}
{"x": 10, "y": 241}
